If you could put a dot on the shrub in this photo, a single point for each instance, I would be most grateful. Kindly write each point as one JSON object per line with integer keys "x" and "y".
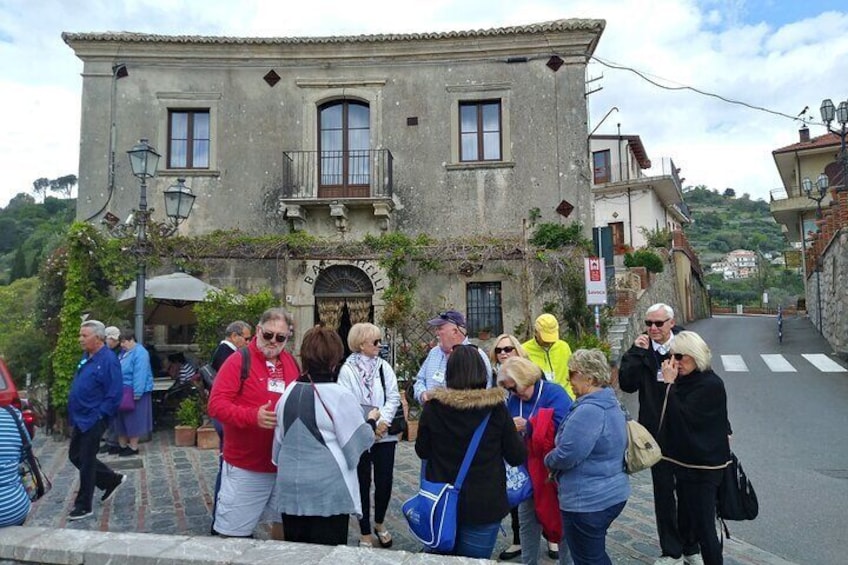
{"x": 644, "y": 258}
{"x": 554, "y": 236}
{"x": 188, "y": 413}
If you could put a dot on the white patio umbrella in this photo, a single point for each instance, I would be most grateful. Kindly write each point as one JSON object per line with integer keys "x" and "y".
{"x": 172, "y": 296}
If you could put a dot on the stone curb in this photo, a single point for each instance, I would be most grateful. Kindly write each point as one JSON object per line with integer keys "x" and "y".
{"x": 73, "y": 547}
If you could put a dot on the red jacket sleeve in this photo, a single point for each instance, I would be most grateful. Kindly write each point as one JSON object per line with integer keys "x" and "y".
{"x": 225, "y": 390}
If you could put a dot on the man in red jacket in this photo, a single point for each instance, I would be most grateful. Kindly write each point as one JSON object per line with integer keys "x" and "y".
{"x": 245, "y": 408}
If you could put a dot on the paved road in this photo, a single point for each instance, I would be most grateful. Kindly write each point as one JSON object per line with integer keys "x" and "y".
{"x": 788, "y": 405}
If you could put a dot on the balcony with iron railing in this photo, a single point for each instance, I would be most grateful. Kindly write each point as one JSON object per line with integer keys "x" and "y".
{"x": 663, "y": 176}
{"x": 337, "y": 175}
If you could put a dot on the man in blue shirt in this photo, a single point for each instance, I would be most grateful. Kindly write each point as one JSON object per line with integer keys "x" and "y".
{"x": 94, "y": 398}
{"x": 451, "y": 330}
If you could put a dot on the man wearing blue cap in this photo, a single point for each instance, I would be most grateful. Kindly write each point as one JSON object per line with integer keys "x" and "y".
{"x": 451, "y": 331}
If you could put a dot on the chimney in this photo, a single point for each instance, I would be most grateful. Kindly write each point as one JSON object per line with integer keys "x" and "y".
{"x": 804, "y": 134}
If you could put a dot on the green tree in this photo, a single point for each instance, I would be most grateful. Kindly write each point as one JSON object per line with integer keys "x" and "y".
{"x": 64, "y": 185}
{"x": 19, "y": 266}
{"x": 39, "y": 187}
{"x": 729, "y": 193}
{"x": 223, "y": 307}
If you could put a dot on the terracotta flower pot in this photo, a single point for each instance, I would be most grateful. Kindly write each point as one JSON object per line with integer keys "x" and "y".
{"x": 184, "y": 436}
{"x": 412, "y": 430}
{"x": 207, "y": 438}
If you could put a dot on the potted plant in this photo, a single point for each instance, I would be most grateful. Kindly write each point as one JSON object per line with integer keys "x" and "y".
{"x": 188, "y": 419}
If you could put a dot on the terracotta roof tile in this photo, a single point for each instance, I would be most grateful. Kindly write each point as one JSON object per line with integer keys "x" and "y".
{"x": 543, "y": 27}
{"x": 825, "y": 140}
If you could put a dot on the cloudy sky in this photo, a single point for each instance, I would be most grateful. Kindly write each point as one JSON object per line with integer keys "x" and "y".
{"x": 782, "y": 55}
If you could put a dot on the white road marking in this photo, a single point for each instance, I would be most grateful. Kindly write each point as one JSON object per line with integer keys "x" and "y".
{"x": 734, "y": 364}
{"x": 824, "y": 363}
{"x": 778, "y": 363}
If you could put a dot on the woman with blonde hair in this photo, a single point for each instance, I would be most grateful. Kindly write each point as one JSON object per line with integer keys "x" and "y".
{"x": 374, "y": 384}
{"x": 694, "y": 435}
{"x": 589, "y": 459}
{"x": 529, "y": 396}
{"x": 505, "y": 347}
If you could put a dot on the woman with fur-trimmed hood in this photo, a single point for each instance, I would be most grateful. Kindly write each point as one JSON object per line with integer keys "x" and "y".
{"x": 444, "y": 432}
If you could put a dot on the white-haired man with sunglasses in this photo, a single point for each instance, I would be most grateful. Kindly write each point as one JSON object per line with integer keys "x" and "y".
{"x": 245, "y": 408}
{"x": 641, "y": 371}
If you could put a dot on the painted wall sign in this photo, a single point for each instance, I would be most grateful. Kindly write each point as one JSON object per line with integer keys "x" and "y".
{"x": 369, "y": 267}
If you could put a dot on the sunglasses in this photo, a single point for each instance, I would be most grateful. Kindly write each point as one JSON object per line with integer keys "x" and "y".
{"x": 378, "y": 342}
{"x": 507, "y": 349}
{"x": 279, "y": 337}
{"x": 656, "y": 324}
{"x": 677, "y": 356}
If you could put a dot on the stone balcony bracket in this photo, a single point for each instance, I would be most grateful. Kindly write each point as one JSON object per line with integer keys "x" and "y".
{"x": 339, "y": 212}
{"x": 383, "y": 214}
{"x": 297, "y": 214}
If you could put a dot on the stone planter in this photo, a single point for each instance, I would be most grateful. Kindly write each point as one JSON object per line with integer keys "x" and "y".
{"x": 207, "y": 438}
{"x": 184, "y": 436}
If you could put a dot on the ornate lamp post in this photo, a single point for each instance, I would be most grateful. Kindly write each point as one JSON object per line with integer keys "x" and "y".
{"x": 821, "y": 185}
{"x": 178, "y": 202}
{"x": 828, "y": 113}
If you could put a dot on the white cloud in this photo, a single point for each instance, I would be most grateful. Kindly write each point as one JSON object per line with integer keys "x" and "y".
{"x": 699, "y": 43}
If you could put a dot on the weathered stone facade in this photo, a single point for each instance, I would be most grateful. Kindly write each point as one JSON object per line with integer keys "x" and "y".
{"x": 268, "y": 105}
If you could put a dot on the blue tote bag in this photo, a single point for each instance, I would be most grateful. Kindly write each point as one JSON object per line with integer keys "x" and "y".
{"x": 432, "y": 513}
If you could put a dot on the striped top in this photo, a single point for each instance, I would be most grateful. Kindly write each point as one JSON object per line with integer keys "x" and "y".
{"x": 14, "y": 502}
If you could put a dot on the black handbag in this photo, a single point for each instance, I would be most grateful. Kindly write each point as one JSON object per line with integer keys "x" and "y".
{"x": 35, "y": 480}
{"x": 737, "y": 499}
{"x": 399, "y": 421}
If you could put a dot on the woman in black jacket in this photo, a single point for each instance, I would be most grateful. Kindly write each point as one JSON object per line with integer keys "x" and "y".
{"x": 694, "y": 434}
{"x": 444, "y": 432}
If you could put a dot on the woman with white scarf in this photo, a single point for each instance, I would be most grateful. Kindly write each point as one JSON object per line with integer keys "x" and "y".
{"x": 373, "y": 382}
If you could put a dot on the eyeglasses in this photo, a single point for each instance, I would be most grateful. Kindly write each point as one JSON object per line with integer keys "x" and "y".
{"x": 678, "y": 356}
{"x": 507, "y": 349}
{"x": 656, "y": 323}
{"x": 279, "y": 337}
{"x": 378, "y": 342}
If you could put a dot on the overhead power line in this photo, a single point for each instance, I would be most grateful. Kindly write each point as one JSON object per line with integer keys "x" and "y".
{"x": 646, "y": 78}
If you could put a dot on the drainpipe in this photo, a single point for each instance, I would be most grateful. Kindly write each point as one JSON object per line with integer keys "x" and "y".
{"x": 629, "y": 190}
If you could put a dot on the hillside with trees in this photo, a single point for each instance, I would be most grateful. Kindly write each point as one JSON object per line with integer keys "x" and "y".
{"x": 724, "y": 222}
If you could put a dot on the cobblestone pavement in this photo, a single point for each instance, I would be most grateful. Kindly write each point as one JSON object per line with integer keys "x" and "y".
{"x": 169, "y": 491}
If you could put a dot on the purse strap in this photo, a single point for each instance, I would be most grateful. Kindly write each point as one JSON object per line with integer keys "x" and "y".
{"x": 470, "y": 452}
{"x": 26, "y": 444}
{"x": 321, "y": 400}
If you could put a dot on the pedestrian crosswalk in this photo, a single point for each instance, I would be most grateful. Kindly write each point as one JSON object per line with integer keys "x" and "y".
{"x": 780, "y": 363}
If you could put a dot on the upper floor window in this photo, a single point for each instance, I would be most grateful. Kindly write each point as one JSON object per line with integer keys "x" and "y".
{"x": 483, "y": 302}
{"x": 188, "y": 139}
{"x": 601, "y": 166}
{"x": 345, "y": 130}
{"x": 480, "y": 131}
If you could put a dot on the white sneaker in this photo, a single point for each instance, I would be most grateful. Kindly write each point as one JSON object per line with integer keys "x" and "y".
{"x": 669, "y": 560}
{"x": 694, "y": 559}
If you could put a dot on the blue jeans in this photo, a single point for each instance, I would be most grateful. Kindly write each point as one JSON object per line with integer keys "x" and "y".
{"x": 586, "y": 534}
{"x": 476, "y": 540}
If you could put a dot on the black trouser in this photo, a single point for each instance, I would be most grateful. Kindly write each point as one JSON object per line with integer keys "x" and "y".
{"x": 665, "y": 508}
{"x": 381, "y": 457}
{"x": 697, "y": 490}
{"x": 323, "y": 530}
{"x": 516, "y": 526}
{"x": 92, "y": 472}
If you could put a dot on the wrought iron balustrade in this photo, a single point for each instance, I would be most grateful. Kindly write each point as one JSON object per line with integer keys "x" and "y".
{"x": 337, "y": 174}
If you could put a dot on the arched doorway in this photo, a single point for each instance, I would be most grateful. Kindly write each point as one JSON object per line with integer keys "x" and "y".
{"x": 343, "y": 296}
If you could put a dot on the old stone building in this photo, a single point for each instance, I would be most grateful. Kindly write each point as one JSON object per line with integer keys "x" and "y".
{"x": 451, "y": 135}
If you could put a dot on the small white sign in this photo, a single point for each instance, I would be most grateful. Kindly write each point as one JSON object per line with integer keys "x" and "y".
{"x": 596, "y": 280}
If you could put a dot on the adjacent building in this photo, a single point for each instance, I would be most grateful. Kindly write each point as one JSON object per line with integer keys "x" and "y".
{"x": 632, "y": 193}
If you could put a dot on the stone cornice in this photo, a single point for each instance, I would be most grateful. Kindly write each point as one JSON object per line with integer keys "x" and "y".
{"x": 565, "y": 37}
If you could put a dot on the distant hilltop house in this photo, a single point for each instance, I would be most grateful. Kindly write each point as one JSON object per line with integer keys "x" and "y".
{"x": 453, "y": 135}
{"x": 738, "y": 264}
{"x": 632, "y": 192}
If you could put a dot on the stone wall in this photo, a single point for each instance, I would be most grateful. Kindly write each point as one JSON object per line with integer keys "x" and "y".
{"x": 832, "y": 278}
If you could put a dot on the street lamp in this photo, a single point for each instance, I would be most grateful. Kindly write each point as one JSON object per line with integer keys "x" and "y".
{"x": 821, "y": 185}
{"x": 828, "y": 113}
{"x": 178, "y": 202}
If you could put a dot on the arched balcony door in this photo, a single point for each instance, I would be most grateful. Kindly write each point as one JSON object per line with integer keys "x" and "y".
{"x": 344, "y": 143}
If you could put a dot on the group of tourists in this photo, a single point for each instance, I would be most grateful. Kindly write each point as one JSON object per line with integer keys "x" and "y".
{"x": 303, "y": 443}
